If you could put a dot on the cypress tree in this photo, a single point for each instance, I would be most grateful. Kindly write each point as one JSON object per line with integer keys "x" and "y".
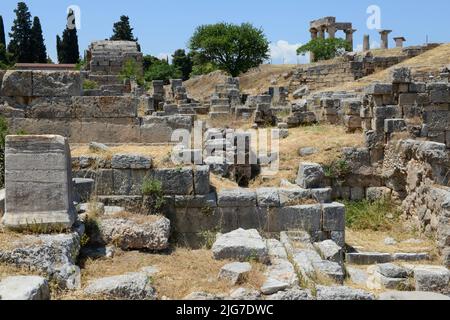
{"x": 68, "y": 51}
{"x": 37, "y": 42}
{"x": 2, "y": 32}
{"x": 122, "y": 30}
{"x": 20, "y": 46}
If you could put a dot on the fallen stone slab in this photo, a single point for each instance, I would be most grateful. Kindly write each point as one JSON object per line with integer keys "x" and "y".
{"x": 294, "y": 294}
{"x": 24, "y": 288}
{"x": 98, "y": 147}
{"x": 367, "y": 258}
{"x": 241, "y": 245}
{"x": 304, "y": 262}
{"x": 276, "y": 250}
{"x": 411, "y": 257}
{"x": 131, "y": 286}
{"x": 330, "y": 251}
{"x": 432, "y": 279}
{"x": 310, "y": 176}
{"x": 389, "y": 270}
{"x": 342, "y": 293}
{"x": 53, "y": 255}
{"x": 235, "y": 273}
{"x": 377, "y": 281}
{"x": 330, "y": 270}
{"x": 357, "y": 276}
{"x": 272, "y": 286}
{"x": 133, "y": 233}
{"x": 412, "y": 296}
{"x": 243, "y": 294}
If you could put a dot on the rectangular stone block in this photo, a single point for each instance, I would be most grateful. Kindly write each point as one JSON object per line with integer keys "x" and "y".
{"x": 379, "y": 89}
{"x": 176, "y": 181}
{"x": 333, "y": 218}
{"x": 236, "y": 198}
{"x": 407, "y": 99}
{"x": 56, "y": 83}
{"x": 304, "y": 217}
{"x": 394, "y": 125}
{"x": 17, "y": 84}
{"x": 105, "y": 107}
{"x": 38, "y": 179}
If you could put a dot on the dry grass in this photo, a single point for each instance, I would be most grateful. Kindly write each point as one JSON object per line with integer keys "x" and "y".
{"x": 373, "y": 241}
{"x": 159, "y": 153}
{"x": 328, "y": 139}
{"x": 181, "y": 273}
{"x": 137, "y": 218}
{"x": 228, "y": 121}
{"x": 10, "y": 240}
{"x": 429, "y": 62}
{"x": 220, "y": 183}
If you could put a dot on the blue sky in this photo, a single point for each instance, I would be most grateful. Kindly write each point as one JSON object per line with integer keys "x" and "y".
{"x": 164, "y": 26}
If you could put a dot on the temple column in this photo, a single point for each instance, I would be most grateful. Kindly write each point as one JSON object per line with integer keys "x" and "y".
{"x": 332, "y": 32}
{"x": 366, "y": 43}
{"x": 385, "y": 38}
{"x": 314, "y": 33}
{"x": 349, "y": 36}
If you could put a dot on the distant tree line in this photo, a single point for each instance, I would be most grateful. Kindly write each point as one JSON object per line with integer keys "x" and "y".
{"x": 222, "y": 46}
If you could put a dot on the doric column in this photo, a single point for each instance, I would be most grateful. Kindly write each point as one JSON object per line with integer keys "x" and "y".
{"x": 349, "y": 36}
{"x": 385, "y": 38}
{"x": 321, "y": 32}
{"x": 313, "y": 37}
{"x": 366, "y": 43}
{"x": 332, "y": 32}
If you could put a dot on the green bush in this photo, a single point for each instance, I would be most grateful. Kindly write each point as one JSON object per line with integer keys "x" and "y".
{"x": 89, "y": 85}
{"x": 376, "y": 216}
{"x": 337, "y": 169}
{"x": 152, "y": 191}
{"x": 161, "y": 70}
{"x": 130, "y": 71}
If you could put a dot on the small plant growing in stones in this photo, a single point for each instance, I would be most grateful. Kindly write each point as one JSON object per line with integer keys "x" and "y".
{"x": 338, "y": 169}
{"x": 153, "y": 194}
{"x": 89, "y": 85}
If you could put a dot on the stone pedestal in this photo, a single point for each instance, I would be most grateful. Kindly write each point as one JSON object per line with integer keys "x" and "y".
{"x": 399, "y": 42}
{"x": 38, "y": 180}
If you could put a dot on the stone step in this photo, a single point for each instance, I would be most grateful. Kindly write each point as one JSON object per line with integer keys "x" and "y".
{"x": 219, "y": 115}
{"x": 221, "y": 108}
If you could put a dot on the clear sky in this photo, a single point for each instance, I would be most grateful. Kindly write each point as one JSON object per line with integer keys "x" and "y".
{"x": 164, "y": 26}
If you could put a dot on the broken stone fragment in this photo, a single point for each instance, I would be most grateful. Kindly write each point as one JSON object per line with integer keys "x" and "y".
{"x": 24, "y": 288}
{"x": 235, "y": 273}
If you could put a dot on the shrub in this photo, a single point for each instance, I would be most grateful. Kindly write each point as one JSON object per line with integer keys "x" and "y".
{"x": 325, "y": 49}
{"x": 89, "y": 85}
{"x": 376, "y": 216}
{"x": 153, "y": 196}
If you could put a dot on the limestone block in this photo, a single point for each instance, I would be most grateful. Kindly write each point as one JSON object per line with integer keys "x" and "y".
{"x": 394, "y": 125}
{"x": 237, "y": 198}
{"x": 310, "y": 175}
{"x": 432, "y": 278}
{"x": 201, "y": 180}
{"x": 105, "y": 107}
{"x": 379, "y": 89}
{"x": 131, "y": 161}
{"x": 56, "y": 83}
{"x": 401, "y": 75}
{"x": 24, "y": 288}
{"x": 303, "y": 217}
{"x": 241, "y": 245}
{"x": 38, "y": 179}
{"x": 235, "y": 273}
{"x": 342, "y": 293}
{"x": 17, "y": 84}
{"x": 329, "y": 250}
{"x": 367, "y": 258}
{"x": 333, "y": 217}
{"x": 176, "y": 181}
{"x": 268, "y": 197}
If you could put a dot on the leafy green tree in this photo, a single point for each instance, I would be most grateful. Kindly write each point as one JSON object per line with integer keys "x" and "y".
{"x": 161, "y": 70}
{"x": 325, "y": 49}
{"x": 183, "y": 62}
{"x": 232, "y": 48}
{"x": 201, "y": 65}
{"x": 130, "y": 71}
{"x": 67, "y": 46}
{"x": 38, "y": 48}
{"x": 4, "y": 57}
{"x": 2, "y": 32}
{"x": 148, "y": 61}
{"x": 20, "y": 44}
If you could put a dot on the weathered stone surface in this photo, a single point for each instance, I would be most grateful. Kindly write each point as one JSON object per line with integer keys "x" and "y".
{"x": 202, "y": 180}
{"x": 310, "y": 175}
{"x": 367, "y": 258}
{"x": 411, "y": 256}
{"x": 130, "y": 286}
{"x": 24, "y": 288}
{"x": 412, "y": 296}
{"x": 241, "y": 245}
{"x": 177, "y": 181}
{"x": 329, "y": 250}
{"x": 391, "y": 270}
{"x": 82, "y": 189}
{"x": 38, "y": 181}
{"x": 56, "y": 83}
{"x": 301, "y": 92}
{"x": 357, "y": 276}
{"x": 295, "y": 294}
{"x": 303, "y": 217}
{"x": 105, "y": 107}
{"x": 333, "y": 218}
{"x": 268, "y": 197}
{"x": 128, "y": 234}
{"x": 309, "y": 151}
{"x": 342, "y": 293}
{"x": 280, "y": 275}
{"x": 387, "y": 276}
{"x": 236, "y": 198}
{"x": 432, "y": 278}
{"x": 379, "y": 89}
{"x": 204, "y": 296}
{"x": 243, "y": 294}
{"x": 131, "y": 161}
{"x": 235, "y": 273}
{"x": 330, "y": 270}
{"x": 276, "y": 250}
{"x": 54, "y": 255}
{"x": 17, "y": 84}
{"x": 401, "y": 75}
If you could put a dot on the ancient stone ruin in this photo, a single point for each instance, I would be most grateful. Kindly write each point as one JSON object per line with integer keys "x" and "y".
{"x": 96, "y": 177}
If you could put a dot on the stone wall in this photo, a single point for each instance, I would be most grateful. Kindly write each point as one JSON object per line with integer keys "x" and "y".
{"x": 51, "y": 102}
{"x": 196, "y": 209}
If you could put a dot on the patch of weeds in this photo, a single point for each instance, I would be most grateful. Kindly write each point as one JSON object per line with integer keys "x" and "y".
{"x": 153, "y": 201}
{"x": 89, "y": 85}
{"x": 84, "y": 241}
{"x": 337, "y": 169}
{"x": 207, "y": 211}
{"x": 207, "y": 238}
{"x": 377, "y": 216}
